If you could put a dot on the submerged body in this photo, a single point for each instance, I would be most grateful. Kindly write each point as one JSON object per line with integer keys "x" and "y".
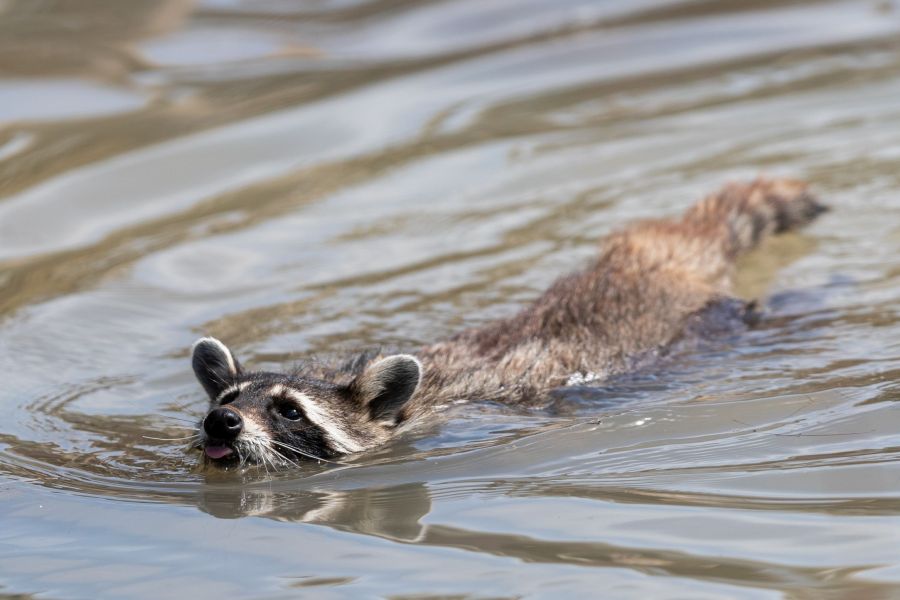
{"x": 653, "y": 284}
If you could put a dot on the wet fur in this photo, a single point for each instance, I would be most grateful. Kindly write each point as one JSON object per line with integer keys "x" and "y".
{"x": 652, "y": 285}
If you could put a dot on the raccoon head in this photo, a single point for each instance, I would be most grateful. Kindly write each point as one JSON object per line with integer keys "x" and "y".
{"x": 274, "y": 419}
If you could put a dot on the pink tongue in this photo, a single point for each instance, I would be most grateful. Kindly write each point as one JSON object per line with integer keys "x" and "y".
{"x": 217, "y": 451}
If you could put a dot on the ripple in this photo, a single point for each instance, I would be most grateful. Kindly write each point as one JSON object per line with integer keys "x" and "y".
{"x": 38, "y": 100}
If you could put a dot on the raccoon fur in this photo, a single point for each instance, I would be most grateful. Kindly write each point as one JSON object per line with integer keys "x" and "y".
{"x": 653, "y": 284}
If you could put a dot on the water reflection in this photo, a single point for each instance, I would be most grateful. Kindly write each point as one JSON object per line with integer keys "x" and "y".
{"x": 392, "y": 512}
{"x": 401, "y": 514}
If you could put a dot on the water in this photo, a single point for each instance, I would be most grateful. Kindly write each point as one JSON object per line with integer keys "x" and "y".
{"x": 315, "y": 178}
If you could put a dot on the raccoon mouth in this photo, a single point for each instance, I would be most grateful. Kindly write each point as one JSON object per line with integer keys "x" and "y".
{"x": 218, "y": 451}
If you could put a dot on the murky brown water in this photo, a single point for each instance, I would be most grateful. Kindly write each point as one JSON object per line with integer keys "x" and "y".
{"x": 316, "y": 177}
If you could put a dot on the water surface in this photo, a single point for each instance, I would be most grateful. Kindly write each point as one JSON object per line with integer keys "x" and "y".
{"x": 313, "y": 178}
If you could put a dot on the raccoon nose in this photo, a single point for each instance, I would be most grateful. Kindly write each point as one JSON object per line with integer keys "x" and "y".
{"x": 223, "y": 423}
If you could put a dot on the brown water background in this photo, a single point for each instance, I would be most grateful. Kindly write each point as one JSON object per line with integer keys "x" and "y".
{"x": 313, "y": 178}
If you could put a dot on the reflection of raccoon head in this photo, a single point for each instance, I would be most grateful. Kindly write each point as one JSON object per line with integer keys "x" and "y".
{"x": 393, "y": 512}
{"x": 276, "y": 419}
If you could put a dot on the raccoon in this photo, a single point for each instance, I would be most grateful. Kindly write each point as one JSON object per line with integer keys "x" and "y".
{"x": 653, "y": 285}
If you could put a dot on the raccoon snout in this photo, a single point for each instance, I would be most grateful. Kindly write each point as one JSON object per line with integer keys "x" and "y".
{"x": 223, "y": 424}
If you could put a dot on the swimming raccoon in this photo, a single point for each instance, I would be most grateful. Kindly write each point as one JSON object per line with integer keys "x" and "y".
{"x": 654, "y": 284}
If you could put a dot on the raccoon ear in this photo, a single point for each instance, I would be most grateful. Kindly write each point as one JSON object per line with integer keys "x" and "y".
{"x": 386, "y": 386}
{"x": 214, "y": 365}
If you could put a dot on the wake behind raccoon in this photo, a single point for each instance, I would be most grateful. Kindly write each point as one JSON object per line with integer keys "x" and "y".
{"x": 653, "y": 284}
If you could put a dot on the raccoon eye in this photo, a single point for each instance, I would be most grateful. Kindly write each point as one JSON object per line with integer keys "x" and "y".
{"x": 289, "y": 412}
{"x": 229, "y": 397}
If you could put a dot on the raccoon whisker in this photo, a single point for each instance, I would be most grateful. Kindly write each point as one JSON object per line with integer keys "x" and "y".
{"x": 266, "y": 462}
{"x": 297, "y": 450}
{"x": 263, "y": 458}
{"x": 278, "y": 460}
{"x": 254, "y": 449}
{"x": 283, "y": 457}
{"x": 176, "y": 439}
{"x": 262, "y": 455}
{"x": 307, "y": 455}
{"x": 184, "y": 420}
{"x": 270, "y": 457}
